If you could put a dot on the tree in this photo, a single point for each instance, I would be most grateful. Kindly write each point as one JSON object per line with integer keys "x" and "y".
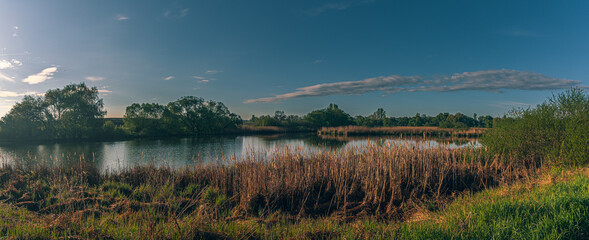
{"x": 26, "y": 120}
{"x": 77, "y": 110}
{"x": 331, "y": 116}
{"x": 145, "y": 119}
{"x": 192, "y": 115}
{"x": 73, "y": 112}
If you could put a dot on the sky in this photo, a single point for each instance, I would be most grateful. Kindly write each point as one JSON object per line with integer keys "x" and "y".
{"x": 407, "y": 57}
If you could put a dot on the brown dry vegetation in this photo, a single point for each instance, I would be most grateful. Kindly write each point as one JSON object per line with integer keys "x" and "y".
{"x": 381, "y": 181}
{"x": 401, "y": 131}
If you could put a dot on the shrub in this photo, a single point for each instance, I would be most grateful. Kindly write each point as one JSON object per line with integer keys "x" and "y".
{"x": 557, "y": 129}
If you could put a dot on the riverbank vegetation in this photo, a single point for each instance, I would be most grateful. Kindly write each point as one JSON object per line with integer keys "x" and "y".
{"x": 529, "y": 179}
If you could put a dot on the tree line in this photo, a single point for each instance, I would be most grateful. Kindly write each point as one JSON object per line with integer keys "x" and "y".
{"x": 333, "y": 116}
{"x": 77, "y": 112}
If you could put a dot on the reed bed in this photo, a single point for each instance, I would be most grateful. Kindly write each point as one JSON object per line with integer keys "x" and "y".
{"x": 369, "y": 181}
{"x": 401, "y": 131}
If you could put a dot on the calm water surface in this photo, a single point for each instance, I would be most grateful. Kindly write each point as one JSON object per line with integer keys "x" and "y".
{"x": 181, "y": 152}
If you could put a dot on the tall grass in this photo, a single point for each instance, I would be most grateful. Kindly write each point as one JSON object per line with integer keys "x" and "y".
{"x": 375, "y": 179}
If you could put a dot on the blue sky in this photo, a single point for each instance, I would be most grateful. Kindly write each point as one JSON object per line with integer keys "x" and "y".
{"x": 407, "y": 57}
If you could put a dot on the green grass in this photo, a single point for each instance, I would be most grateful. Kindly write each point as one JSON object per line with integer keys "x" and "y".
{"x": 558, "y": 211}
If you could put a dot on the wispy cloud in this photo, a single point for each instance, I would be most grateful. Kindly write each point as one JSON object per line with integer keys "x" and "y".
{"x": 211, "y": 72}
{"x": 198, "y": 77}
{"x": 104, "y": 91}
{"x": 5, "y": 78}
{"x": 176, "y": 12}
{"x": 168, "y": 78}
{"x": 122, "y": 17}
{"x": 491, "y": 80}
{"x": 94, "y": 78}
{"x": 10, "y": 94}
{"x": 204, "y": 81}
{"x": 8, "y": 64}
{"x": 43, "y": 76}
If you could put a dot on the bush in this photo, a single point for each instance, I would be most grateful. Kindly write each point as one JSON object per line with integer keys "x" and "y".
{"x": 557, "y": 130}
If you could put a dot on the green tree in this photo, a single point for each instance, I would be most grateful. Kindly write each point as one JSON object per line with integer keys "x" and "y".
{"x": 331, "y": 116}
{"x": 26, "y": 120}
{"x": 76, "y": 111}
{"x": 192, "y": 115}
{"x": 145, "y": 119}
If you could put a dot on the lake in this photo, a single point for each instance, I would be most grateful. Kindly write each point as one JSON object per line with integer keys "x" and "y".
{"x": 182, "y": 152}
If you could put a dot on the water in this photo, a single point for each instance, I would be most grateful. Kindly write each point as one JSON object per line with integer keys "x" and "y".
{"x": 182, "y": 152}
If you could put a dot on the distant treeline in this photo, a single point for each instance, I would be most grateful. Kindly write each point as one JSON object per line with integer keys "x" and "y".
{"x": 76, "y": 112}
{"x": 332, "y": 116}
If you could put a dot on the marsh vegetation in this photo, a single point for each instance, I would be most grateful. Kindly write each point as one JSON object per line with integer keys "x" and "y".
{"x": 529, "y": 179}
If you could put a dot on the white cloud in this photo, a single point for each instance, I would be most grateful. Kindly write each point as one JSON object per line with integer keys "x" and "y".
{"x": 104, "y": 91}
{"x": 211, "y": 72}
{"x": 5, "y": 64}
{"x": 16, "y": 62}
{"x": 94, "y": 78}
{"x": 204, "y": 81}
{"x": 43, "y": 76}
{"x": 317, "y": 61}
{"x": 491, "y": 80}
{"x": 168, "y": 78}
{"x": 198, "y": 77}
{"x": 14, "y": 35}
{"x": 15, "y": 27}
{"x": 121, "y": 17}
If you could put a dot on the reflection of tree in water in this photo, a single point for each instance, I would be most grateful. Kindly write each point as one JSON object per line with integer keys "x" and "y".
{"x": 64, "y": 154}
{"x": 324, "y": 142}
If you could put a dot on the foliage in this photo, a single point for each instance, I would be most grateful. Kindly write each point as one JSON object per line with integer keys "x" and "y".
{"x": 557, "y": 129}
{"x": 331, "y": 116}
{"x": 187, "y": 116}
{"x": 74, "y": 112}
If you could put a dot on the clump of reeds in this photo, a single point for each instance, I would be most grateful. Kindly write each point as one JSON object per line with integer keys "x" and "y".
{"x": 402, "y": 131}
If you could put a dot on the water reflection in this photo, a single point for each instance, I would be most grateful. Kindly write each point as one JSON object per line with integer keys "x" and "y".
{"x": 181, "y": 152}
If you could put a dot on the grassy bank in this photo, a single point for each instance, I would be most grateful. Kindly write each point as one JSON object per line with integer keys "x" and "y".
{"x": 287, "y": 187}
